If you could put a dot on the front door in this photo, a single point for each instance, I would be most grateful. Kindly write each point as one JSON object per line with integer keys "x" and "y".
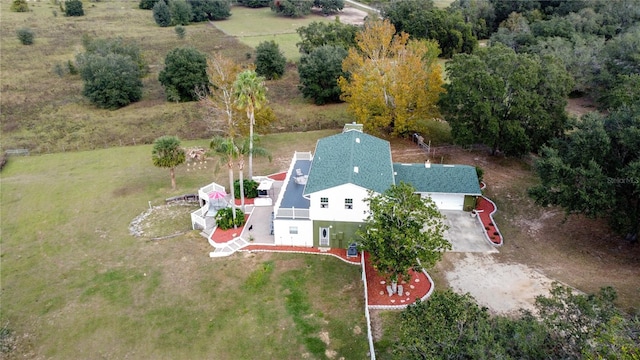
{"x": 324, "y": 236}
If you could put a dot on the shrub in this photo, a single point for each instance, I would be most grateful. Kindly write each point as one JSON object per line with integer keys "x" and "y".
{"x": 250, "y": 189}
{"x": 19, "y": 6}
{"x": 73, "y": 8}
{"x": 114, "y": 46}
{"x": 254, "y": 3}
{"x": 25, "y": 35}
{"x": 184, "y": 70}
{"x": 224, "y": 218}
{"x": 291, "y": 8}
{"x": 180, "y": 12}
{"x": 319, "y": 72}
{"x": 110, "y": 81}
{"x": 162, "y": 14}
{"x": 203, "y": 10}
{"x": 180, "y": 31}
{"x": 329, "y": 6}
{"x": 270, "y": 61}
{"x": 479, "y": 172}
{"x": 147, "y": 4}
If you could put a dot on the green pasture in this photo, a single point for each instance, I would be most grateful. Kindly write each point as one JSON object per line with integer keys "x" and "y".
{"x": 281, "y": 29}
{"x": 76, "y": 284}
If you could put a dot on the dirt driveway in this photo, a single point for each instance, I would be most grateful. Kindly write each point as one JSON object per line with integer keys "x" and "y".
{"x": 540, "y": 243}
{"x": 471, "y": 266}
{"x": 503, "y": 288}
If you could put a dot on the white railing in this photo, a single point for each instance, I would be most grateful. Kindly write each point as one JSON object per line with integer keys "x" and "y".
{"x": 204, "y": 192}
{"x": 302, "y": 155}
{"x": 367, "y": 315}
{"x": 197, "y": 218}
{"x": 292, "y": 213}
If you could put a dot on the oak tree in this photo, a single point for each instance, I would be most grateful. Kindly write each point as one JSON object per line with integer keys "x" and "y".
{"x": 507, "y": 101}
{"x": 185, "y": 70}
{"x": 319, "y": 72}
{"x": 402, "y": 231}
{"x": 393, "y": 83}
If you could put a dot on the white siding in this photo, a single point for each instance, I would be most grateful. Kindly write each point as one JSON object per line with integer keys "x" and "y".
{"x": 447, "y": 201}
{"x": 282, "y": 235}
{"x": 336, "y": 210}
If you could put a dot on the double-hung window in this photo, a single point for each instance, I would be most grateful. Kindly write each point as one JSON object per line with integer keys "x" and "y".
{"x": 348, "y": 204}
{"x": 324, "y": 202}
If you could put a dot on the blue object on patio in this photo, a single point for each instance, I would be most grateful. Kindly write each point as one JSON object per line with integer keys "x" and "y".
{"x": 352, "y": 251}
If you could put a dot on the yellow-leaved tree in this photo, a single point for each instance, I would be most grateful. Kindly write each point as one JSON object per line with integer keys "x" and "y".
{"x": 394, "y": 82}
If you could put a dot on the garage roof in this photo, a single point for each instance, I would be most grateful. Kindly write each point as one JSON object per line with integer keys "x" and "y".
{"x": 439, "y": 178}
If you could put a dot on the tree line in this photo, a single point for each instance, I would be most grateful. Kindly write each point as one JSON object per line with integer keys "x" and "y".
{"x": 509, "y": 95}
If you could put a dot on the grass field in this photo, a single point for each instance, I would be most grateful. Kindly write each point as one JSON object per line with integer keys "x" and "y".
{"x": 45, "y": 112}
{"x": 280, "y": 29}
{"x": 77, "y": 285}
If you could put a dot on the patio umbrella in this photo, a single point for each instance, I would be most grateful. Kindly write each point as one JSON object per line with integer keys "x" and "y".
{"x": 217, "y": 200}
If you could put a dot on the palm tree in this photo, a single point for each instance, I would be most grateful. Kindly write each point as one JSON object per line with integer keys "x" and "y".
{"x": 250, "y": 94}
{"x": 243, "y": 150}
{"x": 228, "y": 151}
{"x": 167, "y": 153}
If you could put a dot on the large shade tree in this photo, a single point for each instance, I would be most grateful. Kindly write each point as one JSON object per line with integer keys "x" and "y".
{"x": 320, "y": 33}
{"x": 402, "y": 231}
{"x": 167, "y": 153}
{"x": 422, "y": 20}
{"x": 394, "y": 83}
{"x": 319, "y": 72}
{"x": 250, "y": 94}
{"x": 565, "y": 326}
{"x": 595, "y": 170}
{"x": 185, "y": 70}
{"x": 511, "y": 102}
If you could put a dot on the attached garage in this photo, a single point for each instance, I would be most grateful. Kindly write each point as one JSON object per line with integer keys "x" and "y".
{"x": 447, "y": 201}
{"x": 451, "y": 187}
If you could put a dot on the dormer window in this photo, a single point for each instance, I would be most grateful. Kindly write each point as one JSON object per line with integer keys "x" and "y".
{"x": 348, "y": 204}
{"x": 324, "y": 202}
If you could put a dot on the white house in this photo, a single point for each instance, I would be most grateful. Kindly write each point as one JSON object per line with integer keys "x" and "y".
{"x": 321, "y": 203}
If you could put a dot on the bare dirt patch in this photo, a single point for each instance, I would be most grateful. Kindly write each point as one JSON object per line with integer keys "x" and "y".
{"x": 351, "y": 15}
{"x": 504, "y": 288}
{"x": 580, "y": 106}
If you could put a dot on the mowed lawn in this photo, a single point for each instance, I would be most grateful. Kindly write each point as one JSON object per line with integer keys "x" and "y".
{"x": 76, "y": 284}
{"x": 281, "y": 29}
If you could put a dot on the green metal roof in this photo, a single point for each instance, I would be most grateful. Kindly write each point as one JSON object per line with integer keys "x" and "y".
{"x": 351, "y": 157}
{"x": 438, "y": 178}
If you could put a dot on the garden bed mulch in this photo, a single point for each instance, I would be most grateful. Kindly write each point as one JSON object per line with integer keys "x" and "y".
{"x": 220, "y": 236}
{"x": 486, "y": 210}
{"x": 278, "y": 176}
{"x": 417, "y": 287}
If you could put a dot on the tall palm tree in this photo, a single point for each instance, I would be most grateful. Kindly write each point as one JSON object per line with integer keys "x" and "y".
{"x": 242, "y": 151}
{"x": 250, "y": 94}
{"x": 167, "y": 153}
{"x": 227, "y": 151}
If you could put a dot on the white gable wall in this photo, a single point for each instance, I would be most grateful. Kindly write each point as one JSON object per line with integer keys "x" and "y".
{"x": 336, "y": 210}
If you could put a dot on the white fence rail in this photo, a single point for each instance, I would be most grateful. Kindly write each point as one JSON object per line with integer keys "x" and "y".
{"x": 367, "y": 315}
